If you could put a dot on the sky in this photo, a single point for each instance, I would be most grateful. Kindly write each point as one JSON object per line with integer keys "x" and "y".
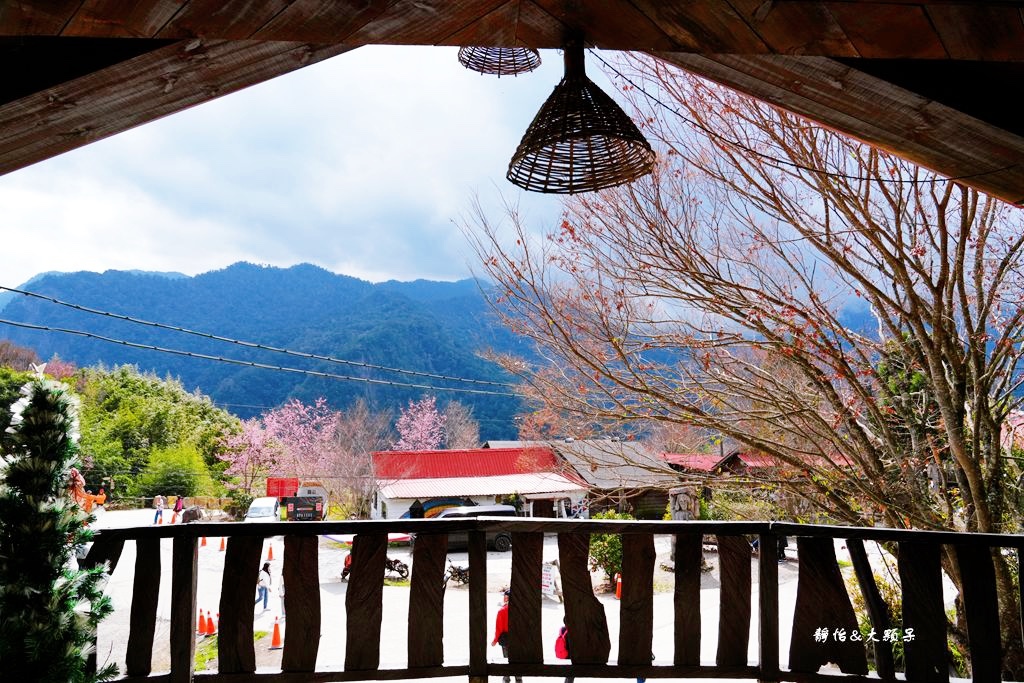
{"x": 364, "y": 164}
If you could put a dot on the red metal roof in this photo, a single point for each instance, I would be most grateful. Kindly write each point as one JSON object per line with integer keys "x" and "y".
{"x": 701, "y": 462}
{"x": 472, "y": 462}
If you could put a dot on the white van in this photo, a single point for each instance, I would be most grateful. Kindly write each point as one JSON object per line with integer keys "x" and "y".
{"x": 265, "y": 509}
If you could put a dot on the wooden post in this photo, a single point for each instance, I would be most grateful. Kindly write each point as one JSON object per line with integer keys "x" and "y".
{"x": 426, "y": 601}
{"x": 921, "y": 580}
{"x": 478, "y": 626}
{"x": 145, "y": 596}
{"x": 301, "y": 578}
{"x": 878, "y": 611}
{"x": 982, "y": 607}
{"x": 589, "y": 642}
{"x": 636, "y": 610}
{"x": 768, "y": 606}
{"x": 364, "y": 604}
{"x": 524, "y": 611}
{"x": 183, "y": 608}
{"x": 235, "y": 649}
{"x": 689, "y": 553}
{"x": 734, "y": 608}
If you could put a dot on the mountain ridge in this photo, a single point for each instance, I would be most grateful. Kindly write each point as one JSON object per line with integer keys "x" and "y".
{"x": 425, "y": 326}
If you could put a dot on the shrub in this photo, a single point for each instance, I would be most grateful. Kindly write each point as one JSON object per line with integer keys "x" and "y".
{"x": 606, "y": 549}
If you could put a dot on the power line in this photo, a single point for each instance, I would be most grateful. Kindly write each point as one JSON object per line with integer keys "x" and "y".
{"x": 251, "y": 364}
{"x": 252, "y": 345}
{"x": 777, "y": 160}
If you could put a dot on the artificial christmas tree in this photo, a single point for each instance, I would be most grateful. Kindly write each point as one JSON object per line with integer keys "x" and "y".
{"x": 49, "y": 608}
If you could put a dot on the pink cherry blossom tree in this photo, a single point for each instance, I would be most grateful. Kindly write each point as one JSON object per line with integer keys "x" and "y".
{"x": 420, "y": 426}
{"x": 252, "y": 453}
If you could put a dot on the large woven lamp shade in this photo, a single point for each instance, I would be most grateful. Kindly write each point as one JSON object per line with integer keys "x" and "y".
{"x": 580, "y": 140}
{"x": 499, "y": 61}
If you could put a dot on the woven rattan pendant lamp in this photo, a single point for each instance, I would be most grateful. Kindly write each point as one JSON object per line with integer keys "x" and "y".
{"x": 499, "y": 61}
{"x": 580, "y": 140}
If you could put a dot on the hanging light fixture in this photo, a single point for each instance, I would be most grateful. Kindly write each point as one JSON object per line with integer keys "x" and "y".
{"x": 499, "y": 61}
{"x": 580, "y": 140}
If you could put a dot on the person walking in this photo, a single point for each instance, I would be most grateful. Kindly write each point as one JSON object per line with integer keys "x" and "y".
{"x": 501, "y": 631}
{"x": 158, "y": 504}
{"x": 263, "y": 586}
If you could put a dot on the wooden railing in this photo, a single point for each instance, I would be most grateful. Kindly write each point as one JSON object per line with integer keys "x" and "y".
{"x": 822, "y": 600}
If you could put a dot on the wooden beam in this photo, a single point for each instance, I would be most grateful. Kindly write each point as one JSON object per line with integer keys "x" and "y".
{"x": 301, "y": 579}
{"x": 735, "y": 603}
{"x": 145, "y": 597}
{"x": 589, "y": 642}
{"x": 426, "y": 601}
{"x": 524, "y": 609}
{"x": 921, "y": 581}
{"x": 637, "y": 607}
{"x": 184, "y": 562}
{"x": 235, "y": 650}
{"x": 139, "y": 90}
{"x": 364, "y": 602}
{"x": 686, "y": 599}
{"x": 868, "y": 108}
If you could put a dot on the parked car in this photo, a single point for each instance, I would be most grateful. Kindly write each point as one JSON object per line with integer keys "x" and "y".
{"x": 500, "y": 541}
{"x": 264, "y": 509}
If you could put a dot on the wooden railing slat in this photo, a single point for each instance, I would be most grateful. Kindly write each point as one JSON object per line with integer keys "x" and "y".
{"x": 104, "y": 551}
{"x": 878, "y": 611}
{"x": 301, "y": 579}
{"x": 525, "y": 642}
{"x": 145, "y": 597}
{"x": 589, "y": 642}
{"x": 184, "y": 564}
{"x": 735, "y": 606}
{"x": 921, "y": 580}
{"x": 479, "y": 633}
{"x": 686, "y": 599}
{"x": 426, "y": 601}
{"x": 768, "y": 606}
{"x": 637, "y": 606}
{"x": 364, "y": 602}
{"x": 982, "y": 607}
{"x": 823, "y": 603}
{"x": 235, "y": 649}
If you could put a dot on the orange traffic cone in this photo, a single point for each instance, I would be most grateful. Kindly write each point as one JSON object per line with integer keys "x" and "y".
{"x": 275, "y": 642}
{"x": 222, "y": 544}
{"x": 618, "y": 586}
{"x": 270, "y": 552}
{"x": 174, "y": 517}
{"x": 202, "y": 543}
{"x": 211, "y": 629}
{"x": 201, "y": 629}
{"x": 160, "y": 519}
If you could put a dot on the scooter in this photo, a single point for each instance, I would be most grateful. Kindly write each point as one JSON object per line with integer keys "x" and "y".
{"x": 395, "y": 566}
{"x": 456, "y": 573}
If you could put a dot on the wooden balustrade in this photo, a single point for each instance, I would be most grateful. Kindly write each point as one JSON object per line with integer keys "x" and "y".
{"x": 822, "y": 601}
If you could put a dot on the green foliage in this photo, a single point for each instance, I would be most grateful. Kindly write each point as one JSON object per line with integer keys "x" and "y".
{"x": 49, "y": 609}
{"x": 127, "y": 416}
{"x": 176, "y": 470}
{"x": 606, "y": 549}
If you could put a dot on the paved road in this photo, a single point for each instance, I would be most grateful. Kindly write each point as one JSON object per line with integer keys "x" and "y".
{"x": 114, "y": 631}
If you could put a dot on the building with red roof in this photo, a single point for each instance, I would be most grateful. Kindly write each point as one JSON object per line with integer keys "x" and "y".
{"x": 424, "y": 483}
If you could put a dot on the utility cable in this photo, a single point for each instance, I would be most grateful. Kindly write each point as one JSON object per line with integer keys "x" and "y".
{"x": 251, "y": 345}
{"x": 251, "y": 364}
{"x": 777, "y": 160}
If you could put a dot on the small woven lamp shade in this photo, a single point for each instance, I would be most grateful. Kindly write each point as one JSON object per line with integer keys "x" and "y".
{"x": 499, "y": 61}
{"x": 580, "y": 140}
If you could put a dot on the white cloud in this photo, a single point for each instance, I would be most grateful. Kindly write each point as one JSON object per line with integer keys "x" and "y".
{"x": 359, "y": 164}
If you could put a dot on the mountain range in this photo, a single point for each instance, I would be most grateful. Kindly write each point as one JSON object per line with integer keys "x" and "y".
{"x": 440, "y": 328}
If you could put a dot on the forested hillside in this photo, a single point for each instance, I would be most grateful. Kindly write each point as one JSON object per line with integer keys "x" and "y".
{"x": 431, "y": 327}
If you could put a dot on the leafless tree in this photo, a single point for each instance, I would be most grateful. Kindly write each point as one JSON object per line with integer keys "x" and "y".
{"x": 718, "y": 293}
{"x": 461, "y": 429}
{"x": 359, "y": 432}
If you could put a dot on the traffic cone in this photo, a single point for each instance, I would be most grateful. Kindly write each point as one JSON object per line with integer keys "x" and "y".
{"x": 211, "y": 629}
{"x": 160, "y": 519}
{"x": 201, "y": 629}
{"x": 202, "y": 543}
{"x": 174, "y": 517}
{"x": 270, "y": 552}
{"x": 275, "y": 642}
{"x": 222, "y": 544}
{"x": 618, "y": 586}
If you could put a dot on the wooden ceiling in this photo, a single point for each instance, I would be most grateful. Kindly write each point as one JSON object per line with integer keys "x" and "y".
{"x": 929, "y": 80}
